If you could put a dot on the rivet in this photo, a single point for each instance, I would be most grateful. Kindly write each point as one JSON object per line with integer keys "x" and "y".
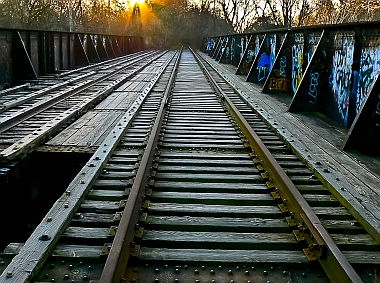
{"x": 271, "y": 268}
{"x": 44, "y": 237}
{"x": 196, "y": 271}
{"x": 246, "y": 272}
{"x": 220, "y": 267}
{"x": 66, "y": 205}
{"x": 176, "y": 270}
{"x": 157, "y": 270}
{"x": 203, "y": 267}
{"x": 176, "y": 280}
{"x": 230, "y": 272}
{"x": 71, "y": 266}
{"x": 213, "y": 281}
{"x": 166, "y": 266}
{"x": 2, "y": 263}
{"x": 185, "y": 266}
{"x": 51, "y": 265}
{"x": 238, "y": 267}
{"x": 146, "y": 265}
{"x": 46, "y": 275}
{"x": 212, "y": 271}
{"x": 197, "y": 281}
{"x": 252, "y": 268}
{"x": 9, "y": 274}
{"x": 303, "y": 274}
{"x": 89, "y": 267}
{"x": 156, "y": 280}
{"x": 66, "y": 276}
{"x": 232, "y": 281}
{"x": 85, "y": 277}
{"x": 265, "y": 272}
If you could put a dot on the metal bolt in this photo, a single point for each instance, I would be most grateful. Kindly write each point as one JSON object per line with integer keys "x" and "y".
{"x": 303, "y": 274}
{"x": 44, "y": 237}
{"x": 2, "y": 263}
{"x": 156, "y": 270}
{"x": 176, "y": 280}
{"x": 238, "y": 267}
{"x": 156, "y": 280}
{"x": 246, "y": 272}
{"x": 51, "y": 265}
{"x": 71, "y": 266}
{"x": 185, "y": 266}
{"x": 49, "y": 219}
{"x": 66, "y": 205}
{"x": 166, "y": 266}
{"x": 9, "y": 274}
{"x": 203, "y": 267}
{"x": 285, "y": 272}
{"x": 176, "y": 270}
{"x": 196, "y": 271}
{"x": 146, "y": 265}
{"x": 253, "y": 268}
{"x": 265, "y": 272}
{"x": 66, "y": 277}
{"x": 271, "y": 268}
{"x": 89, "y": 267}
{"x": 220, "y": 267}
{"x": 230, "y": 272}
{"x": 212, "y": 271}
{"x": 46, "y": 275}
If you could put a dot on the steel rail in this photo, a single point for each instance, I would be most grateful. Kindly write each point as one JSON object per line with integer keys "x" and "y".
{"x": 320, "y": 243}
{"x": 28, "y": 142}
{"x": 123, "y": 244}
{"x": 26, "y": 264}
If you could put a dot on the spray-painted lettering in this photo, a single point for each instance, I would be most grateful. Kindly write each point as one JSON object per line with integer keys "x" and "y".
{"x": 283, "y": 66}
{"x": 313, "y": 91}
{"x": 279, "y": 84}
{"x": 340, "y": 78}
{"x": 297, "y": 61}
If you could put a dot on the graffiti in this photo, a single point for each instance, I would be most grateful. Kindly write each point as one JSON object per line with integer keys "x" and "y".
{"x": 313, "y": 92}
{"x": 272, "y": 54}
{"x": 257, "y": 45}
{"x": 297, "y": 61}
{"x": 369, "y": 66}
{"x": 341, "y": 72}
{"x": 263, "y": 66}
{"x": 283, "y": 66}
{"x": 278, "y": 84}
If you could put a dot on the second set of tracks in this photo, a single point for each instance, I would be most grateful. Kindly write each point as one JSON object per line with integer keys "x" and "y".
{"x": 192, "y": 186}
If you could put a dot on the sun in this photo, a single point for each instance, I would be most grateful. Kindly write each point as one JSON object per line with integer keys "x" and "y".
{"x": 138, "y": 2}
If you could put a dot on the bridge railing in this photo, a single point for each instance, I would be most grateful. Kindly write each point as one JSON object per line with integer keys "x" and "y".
{"x": 29, "y": 54}
{"x": 331, "y": 69}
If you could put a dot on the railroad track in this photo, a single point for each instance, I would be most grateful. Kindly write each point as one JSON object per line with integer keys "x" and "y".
{"x": 183, "y": 190}
{"x": 31, "y": 114}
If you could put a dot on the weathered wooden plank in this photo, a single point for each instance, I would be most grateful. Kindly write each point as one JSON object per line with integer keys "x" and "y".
{"x": 209, "y": 187}
{"x": 100, "y": 206}
{"x": 208, "y": 169}
{"x": 230, "y": 256}
{"x": 94, "y": 219}
{"x": 215, "y": 210}
{"x": 360, "y": 242}
{"x": 210, "y": 177}
{"x": 189, "y": 223}
{"x": 85, "y": 233}
{"x": 362, "y": 257}
{"x": 107, "y": 195}
{"x": 213, "y": 198}
{"x": 220, "y": 240}
{"x": 111, "y": 184}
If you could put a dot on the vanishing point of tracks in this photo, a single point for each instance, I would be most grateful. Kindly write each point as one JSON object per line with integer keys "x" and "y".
{"x": 191, "y": 186}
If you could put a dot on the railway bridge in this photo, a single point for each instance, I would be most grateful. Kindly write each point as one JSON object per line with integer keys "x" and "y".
{"x": 251, "y": 158}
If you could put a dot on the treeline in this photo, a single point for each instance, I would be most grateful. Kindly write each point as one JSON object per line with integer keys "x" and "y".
{"x": 170, "y": 23}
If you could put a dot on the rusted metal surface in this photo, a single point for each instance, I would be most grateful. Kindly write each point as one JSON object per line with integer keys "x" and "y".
{"x": 325, "y": 250}
{"x": 325, "y": 69}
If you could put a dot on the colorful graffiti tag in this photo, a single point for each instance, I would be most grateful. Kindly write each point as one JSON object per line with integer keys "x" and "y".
{"x": 340, "y": 79}
{"x": 369, "y": 66}
{"x": 297, "y": 61}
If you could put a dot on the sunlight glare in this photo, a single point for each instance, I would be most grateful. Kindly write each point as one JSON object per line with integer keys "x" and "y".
{"x": 138, "y": 2}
